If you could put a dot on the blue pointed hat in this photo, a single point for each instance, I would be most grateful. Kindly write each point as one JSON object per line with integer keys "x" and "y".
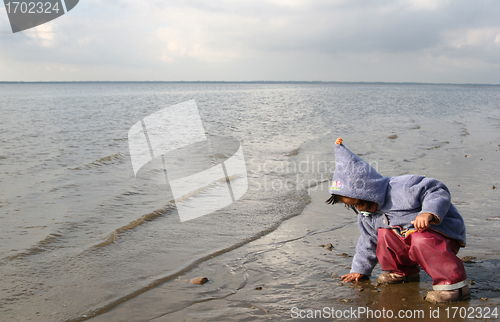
{"x": 355, "y": 178}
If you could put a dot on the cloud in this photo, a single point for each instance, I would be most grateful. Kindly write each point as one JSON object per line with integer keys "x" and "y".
{"x": 427, "y": 5}
{"x": 272, "y": 39}
{"x": 474, "y": 37}
{"x": 43, "y": 35}
{"x": 204, "y": 38}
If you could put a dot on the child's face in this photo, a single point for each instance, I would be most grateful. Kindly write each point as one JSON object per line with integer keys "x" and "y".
{"x": 349, "y": 201}
{"x": 355, "y": 202}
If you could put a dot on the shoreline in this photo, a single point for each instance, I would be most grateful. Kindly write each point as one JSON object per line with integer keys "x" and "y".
{"x": 286, "y": 274}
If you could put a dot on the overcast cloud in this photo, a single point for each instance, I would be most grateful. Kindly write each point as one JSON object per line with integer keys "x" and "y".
{"x": 437, "y": 41}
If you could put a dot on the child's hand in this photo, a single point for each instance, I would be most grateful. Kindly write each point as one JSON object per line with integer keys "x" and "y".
{"x": 422, "y": 221}
{"x": 352, "y": 277}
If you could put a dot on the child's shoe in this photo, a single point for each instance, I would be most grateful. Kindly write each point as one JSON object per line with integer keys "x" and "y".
{"x": 460, "y": 294}
{"x": 395, "y": 278}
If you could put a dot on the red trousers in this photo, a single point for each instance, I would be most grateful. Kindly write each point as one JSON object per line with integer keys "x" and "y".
{"x": 435, "y": 253}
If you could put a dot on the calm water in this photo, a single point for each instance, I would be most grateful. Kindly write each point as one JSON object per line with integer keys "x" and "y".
{"x": 80, "y": 233}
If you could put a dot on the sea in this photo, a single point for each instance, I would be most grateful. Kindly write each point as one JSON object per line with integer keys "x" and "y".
{"x": 80, "y": 233}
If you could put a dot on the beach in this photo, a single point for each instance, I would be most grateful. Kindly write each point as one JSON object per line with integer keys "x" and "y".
{"x": 83, "y": 238}
{"x": 294, "y": 272}
{"x": 290, "y": 272}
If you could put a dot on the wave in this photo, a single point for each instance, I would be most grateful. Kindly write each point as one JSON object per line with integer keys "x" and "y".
{"x": 40, "y": 247}
{"x": 47, "y": 243}
{"x": 303, "y": 201}
{"x": 301, "y": 197}
{"x": 294, "y": 152}
{"x": 133, "y": 224}
{"x": 438, "y": 145}
{"x": 100, "y": 162}
{"x": 463, "y": 129}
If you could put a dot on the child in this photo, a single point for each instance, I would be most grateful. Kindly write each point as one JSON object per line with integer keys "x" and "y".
{"x": 405, "y": 222}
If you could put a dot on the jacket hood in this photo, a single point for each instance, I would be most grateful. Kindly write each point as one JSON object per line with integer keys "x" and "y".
{"x": 355, "y": 178}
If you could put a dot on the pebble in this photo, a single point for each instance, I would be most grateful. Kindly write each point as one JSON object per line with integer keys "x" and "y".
{"x": 468, "y": 259}
{"x": 199, "y": 280}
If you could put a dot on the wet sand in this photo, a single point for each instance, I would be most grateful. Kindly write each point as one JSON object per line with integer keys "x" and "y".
{"x": 291, "y": 269}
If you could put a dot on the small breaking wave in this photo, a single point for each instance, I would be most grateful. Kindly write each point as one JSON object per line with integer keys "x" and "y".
{"x": 101, "y": 162}
{"x": 294, "y": 152}
{"x": 463, "y": 129}
{"x": 439, "y": 145}
{"x": 39, "y": 247}
{"x": 135, "y": 223}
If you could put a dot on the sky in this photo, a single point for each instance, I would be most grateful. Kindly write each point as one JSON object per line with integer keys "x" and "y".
{"x": 425, "y": 41}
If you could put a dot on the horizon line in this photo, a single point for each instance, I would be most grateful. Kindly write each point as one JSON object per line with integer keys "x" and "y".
{"x": 252, "y": 82}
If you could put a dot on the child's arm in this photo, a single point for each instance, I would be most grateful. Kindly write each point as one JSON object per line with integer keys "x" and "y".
{"x": 434, "y": 198}
{"x": 365, "y": 258}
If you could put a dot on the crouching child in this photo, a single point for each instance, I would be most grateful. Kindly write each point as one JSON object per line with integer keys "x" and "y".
{"x": 406, "y": 222}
